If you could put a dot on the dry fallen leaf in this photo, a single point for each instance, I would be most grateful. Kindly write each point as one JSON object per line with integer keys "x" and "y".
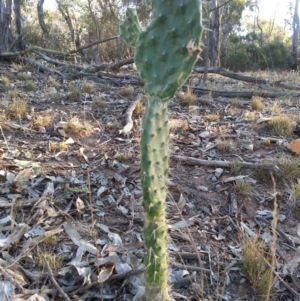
{"x": 83, "y": 155}
{"x": 24, "y": 175}
{"x": 294, "y": 146}
{"x": 105, "y": 273}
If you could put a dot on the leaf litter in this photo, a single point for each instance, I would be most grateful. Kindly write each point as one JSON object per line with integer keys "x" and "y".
{"x": 71, "y": 218}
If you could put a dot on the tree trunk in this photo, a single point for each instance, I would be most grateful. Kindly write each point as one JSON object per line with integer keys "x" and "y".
{"x": 66, "y": 15}
{"x": 295, "y": 35}
{"x": 19, "y": 28}
{"x": 214, "y": 35}
{"x": 42, "y": 23}
{"x": 5, "y": 18}
{"x": 97, "y": 53}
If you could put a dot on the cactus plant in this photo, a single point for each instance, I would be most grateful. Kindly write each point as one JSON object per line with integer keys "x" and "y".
{"x": 165, "y": 53}
{"x": 130, "y": 28}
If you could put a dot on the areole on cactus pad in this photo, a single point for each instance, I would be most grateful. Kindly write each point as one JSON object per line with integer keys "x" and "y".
{"x": 165, "y": 53}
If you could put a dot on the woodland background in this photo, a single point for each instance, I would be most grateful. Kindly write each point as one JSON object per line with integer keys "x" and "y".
{"x": 235, "y": 40}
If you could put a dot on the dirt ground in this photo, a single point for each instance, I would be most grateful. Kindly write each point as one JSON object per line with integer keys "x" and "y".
{"x": 70, "y": 196}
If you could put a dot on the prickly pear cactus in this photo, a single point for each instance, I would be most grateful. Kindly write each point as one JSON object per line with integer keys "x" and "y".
{"x": 168, "y": 49}
{"x": 165, "y": 54}
{"x": 130, "y": 28}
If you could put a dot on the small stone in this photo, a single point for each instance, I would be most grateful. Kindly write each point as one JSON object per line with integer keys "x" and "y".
{"x": 218, "y": 172}
{"x": 204, "y": 134}
{"x": 214, "y": 179}
{"x": 281, "y": 217}
{"x": 202, "y": 188}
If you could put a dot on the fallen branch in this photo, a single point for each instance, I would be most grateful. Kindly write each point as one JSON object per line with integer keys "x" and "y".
{"x": 233, "y": 75}
{"x": 128, "y": 117}
{"x": 50, "y": 274}
{"x": 93, "y": 44}
{"x": 114, "y": 66}
{"x": 246, "y": 94}
{"x": 200, "y": 162}
{"x": 247, "y": 78}
{"x": 43, "y": 68}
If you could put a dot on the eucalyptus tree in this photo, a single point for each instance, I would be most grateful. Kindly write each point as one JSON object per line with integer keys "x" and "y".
{"x": 295, "y": 39}
{"x": 5, "y": 20}
{"x": 42, "y": 23}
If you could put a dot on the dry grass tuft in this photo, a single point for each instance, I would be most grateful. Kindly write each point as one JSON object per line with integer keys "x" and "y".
{"x": 276, "y": 107}
{"x": 139, "y": 108}
{"x": 98, "y": 102}
{"x": 76, "y": 126}
{"x": 235, "y": 167}
{"x": 42, "y": 121}
{"x": 17, "y": 108}
{"x": 242, "y": 187}
{"x": 29, "y": 85}
{"x": 236, "y": 103}
{"x": 188, "y": 98}
{"x": 12, "y": 94}
{"x": 24, "y": 76}
{"x": 53, "y": 83}
{"x": 250, "y": 115}
{"x": 55, "y": 262}
{"x": 126, "y": 91}
{"x": 289, "y": 170}
{"x": 178, "y": 125}
{"x": 3, "y": 118}
{"x": 74, "y": 93}
{"x": 282, "y": 125}
{"x": 54, "y": 97}
{"x": 58, "y": 146}
{"x": 256, "y": 103}
{"x": 225, "y": 146}
{"x": 213, "y": 117}
{"x": 105, "y": 87}
{"x": 88, "y": 87}
{"x": 255, "y": 266}
{"x": 5, "y": 80}
{"x": 87, "y": 127}
{"x": 48, "y": 241}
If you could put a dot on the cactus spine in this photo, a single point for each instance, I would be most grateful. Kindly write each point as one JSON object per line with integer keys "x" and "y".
{"x": 165, "y": 53}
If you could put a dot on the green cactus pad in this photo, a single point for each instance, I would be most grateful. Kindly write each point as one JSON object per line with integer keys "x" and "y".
{"x": 169, "y": 47}
{"x": 130, "y": 28}
{"x": 154, "y": 165}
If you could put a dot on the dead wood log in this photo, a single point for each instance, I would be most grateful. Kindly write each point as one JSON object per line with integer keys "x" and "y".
{"x": 206, "y": 102}
{"x": 93, "y": 44}
{"x": 200, "y": 162}
{"x": 244, "y": 94}
{"x": 233, "y": 75}
{"x": 246, "y": 78}
{"x": 50, "y": 60}
{"x": 115, "y": 66}
{"x": 43, "y": 68}
{"x": 279, "y": 84}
